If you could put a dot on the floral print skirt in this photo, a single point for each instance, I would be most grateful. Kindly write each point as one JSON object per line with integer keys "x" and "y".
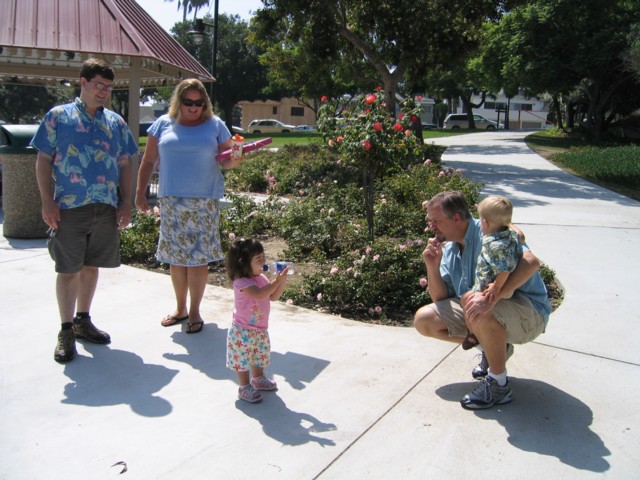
{"x": 189, "y": 235}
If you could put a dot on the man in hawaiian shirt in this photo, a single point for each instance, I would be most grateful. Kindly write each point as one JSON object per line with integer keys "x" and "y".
{"x": 87, "y": 149}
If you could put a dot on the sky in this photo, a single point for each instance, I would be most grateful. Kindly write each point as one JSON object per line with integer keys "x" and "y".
{"x": 167, "y": 14}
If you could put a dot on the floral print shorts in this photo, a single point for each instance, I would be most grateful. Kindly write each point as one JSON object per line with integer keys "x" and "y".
{"x": 247, "y": 347}
{"x": 189, "y": 233}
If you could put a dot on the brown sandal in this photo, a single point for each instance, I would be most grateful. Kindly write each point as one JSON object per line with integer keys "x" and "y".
{"x": 470, "y": 341}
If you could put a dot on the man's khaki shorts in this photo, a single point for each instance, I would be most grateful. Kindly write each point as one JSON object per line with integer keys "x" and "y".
{"x": 517, "y": 314}
{"x": 86, "y": 236}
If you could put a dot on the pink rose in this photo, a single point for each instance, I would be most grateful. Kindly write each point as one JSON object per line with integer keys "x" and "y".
{"x": 423, "y": 282}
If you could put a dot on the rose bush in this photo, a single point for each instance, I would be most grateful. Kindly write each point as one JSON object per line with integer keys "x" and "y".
{"x": 367, "y": 136}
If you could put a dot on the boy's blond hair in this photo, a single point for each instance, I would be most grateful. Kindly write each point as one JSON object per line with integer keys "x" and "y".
{"x": 496, "y": 210}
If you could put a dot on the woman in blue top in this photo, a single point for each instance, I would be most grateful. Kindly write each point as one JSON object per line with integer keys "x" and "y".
{"x": 185, "y": 143}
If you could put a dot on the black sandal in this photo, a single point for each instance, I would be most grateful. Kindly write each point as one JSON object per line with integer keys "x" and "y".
{"x": 469, "y": 341}
{"x": 195, "y": 327}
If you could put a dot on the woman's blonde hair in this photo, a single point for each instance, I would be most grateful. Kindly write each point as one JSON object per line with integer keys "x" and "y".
{"x": 496, "y": 210}
{"x": 178, "y": 93}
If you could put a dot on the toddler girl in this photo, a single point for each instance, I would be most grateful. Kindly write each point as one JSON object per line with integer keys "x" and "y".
{"x": 248, "y": 345}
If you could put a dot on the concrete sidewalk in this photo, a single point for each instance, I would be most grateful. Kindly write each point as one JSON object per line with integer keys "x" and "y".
{"x": 354, "y": 400}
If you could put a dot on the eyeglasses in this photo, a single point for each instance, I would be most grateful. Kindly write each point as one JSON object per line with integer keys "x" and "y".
{"x": 102, "y": 86}
{"x": 190, "y": 103}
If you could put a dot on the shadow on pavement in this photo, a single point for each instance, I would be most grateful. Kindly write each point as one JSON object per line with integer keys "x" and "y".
{"x": 283, "y": 424}
{"x": 545, "y": 420}
{"x": 207, "y": 353}
{"x": 116, "y": 377}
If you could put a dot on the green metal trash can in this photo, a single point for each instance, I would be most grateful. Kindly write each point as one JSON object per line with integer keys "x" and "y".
{"x": 20, "y": 194}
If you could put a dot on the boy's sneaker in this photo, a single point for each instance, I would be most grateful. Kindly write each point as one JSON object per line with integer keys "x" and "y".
{"x": 66, "y": 347}
{"x": 487, "y": 394}
{"x": 263, "y": 383}
{"x": 249, "y": 394}
{"x": 481, "y": 370}
{"x": 83, "y": 328}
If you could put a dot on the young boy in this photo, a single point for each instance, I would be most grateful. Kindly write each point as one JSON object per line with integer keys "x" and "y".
{"x": 499, "y": 254}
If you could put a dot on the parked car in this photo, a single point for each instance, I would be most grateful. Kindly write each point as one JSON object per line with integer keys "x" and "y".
{"x": 459, "y": 120}
{"x": 306, "y": 128}
{"x": 269, "y": 126}
{"x": 238, "y": 130}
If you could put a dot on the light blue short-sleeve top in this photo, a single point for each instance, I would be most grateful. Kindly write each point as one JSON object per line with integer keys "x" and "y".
{"x": 188, "y": 166}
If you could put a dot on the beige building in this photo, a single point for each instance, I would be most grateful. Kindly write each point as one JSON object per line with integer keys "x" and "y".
{"x": 288, "y": 110}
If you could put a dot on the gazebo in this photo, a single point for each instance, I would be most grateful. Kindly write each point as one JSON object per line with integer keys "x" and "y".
{"x": 46, "y": 41}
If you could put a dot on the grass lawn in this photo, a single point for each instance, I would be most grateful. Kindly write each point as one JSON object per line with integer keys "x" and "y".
{"x": 610, "y": 165}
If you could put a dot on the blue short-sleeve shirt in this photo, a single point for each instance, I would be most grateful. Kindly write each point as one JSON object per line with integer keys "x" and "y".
{"x": 86, "y": 153}
{"x": 457, "y": 269}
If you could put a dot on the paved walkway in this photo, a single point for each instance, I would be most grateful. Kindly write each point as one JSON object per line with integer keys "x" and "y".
{"x": 354, "y": 400}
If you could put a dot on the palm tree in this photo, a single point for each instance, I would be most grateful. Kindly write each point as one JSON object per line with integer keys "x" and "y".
{"x": 188, "y": 6}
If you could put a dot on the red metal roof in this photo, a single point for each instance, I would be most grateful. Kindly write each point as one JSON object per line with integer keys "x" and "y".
{"x": 45, "y": 41}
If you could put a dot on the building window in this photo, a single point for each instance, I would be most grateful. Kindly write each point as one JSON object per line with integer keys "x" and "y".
{"x": 274, "y": 111}
{"x": 297, "y": 111}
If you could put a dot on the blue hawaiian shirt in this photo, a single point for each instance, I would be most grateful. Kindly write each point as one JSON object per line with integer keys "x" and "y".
{"x": 86, "y": 153}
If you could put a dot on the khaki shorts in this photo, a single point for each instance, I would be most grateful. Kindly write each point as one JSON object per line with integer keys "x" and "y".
{"x": 86, "y": 236}
{"x": 517, "y": 314}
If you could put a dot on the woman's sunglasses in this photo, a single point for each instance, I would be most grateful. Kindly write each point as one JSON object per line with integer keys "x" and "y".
{"x": 190, "y": 103}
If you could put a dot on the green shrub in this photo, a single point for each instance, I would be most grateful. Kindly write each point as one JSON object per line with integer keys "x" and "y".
{"x": 379, "y": 282}
{"x": 138, "y": 242}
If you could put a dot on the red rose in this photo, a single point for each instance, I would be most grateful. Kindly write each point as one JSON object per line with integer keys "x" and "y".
{"x": 397, "y": 127}
{"x": 366, "y": 145}
{"x": 324, "y": 99}
{"x": 377, "y": 127}
{"x": 414, "y": 119}
{"x": 369, "y": 99}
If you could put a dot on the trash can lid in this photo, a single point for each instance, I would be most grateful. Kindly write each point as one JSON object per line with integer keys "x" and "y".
{"x": 16, "y": 138}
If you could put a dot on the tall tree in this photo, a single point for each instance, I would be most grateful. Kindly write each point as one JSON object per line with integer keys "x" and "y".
{"x": 302, "y": 70}
{"x": 390, "y": 35}
{"x": 573, "y": 49}
{"x": 188, "y": 6}
{"x": 22, "y": 103}
{"x": 239, "y": 74}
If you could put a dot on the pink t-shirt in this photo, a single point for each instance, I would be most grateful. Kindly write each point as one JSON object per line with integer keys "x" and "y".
{"x": 250, "y": 312}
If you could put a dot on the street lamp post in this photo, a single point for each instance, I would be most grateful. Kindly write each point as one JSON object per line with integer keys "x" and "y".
{"x": 198, "y": 34}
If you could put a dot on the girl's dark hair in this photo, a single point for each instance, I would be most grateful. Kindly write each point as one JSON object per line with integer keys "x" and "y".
{"x": 238, "y": 261}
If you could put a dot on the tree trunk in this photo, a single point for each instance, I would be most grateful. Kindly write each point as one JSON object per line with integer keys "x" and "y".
{"x": 369, "y": 198}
